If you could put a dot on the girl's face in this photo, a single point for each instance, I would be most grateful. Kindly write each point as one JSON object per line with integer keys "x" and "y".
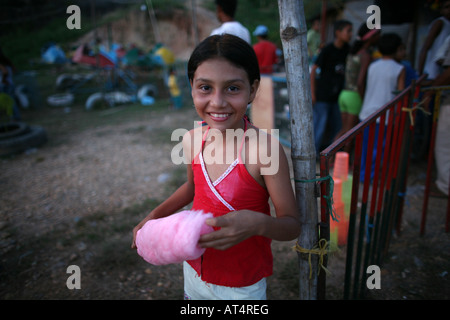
{"x": 221, "y": 92}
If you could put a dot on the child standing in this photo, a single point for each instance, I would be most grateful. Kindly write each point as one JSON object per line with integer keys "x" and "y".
{"x": 266, "y": 51}
{"x": 174, "y": 90}
{"x": 313, "y": 40}
{"x": 224, "y": 75}
{"x": 384, "y": 77}
{"x": 328, "y": 83}
{"x": 225, "y": 11}
{"x": 358, "y": 61}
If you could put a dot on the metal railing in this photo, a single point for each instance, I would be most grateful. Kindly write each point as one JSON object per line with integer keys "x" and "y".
{"x": 384, "y": 160}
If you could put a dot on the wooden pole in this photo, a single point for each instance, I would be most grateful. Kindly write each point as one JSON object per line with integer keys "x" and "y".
{"x": 293, "y": 36}
{"x": 151, "y": 13}
{"x": 94, "y": 24}
{"x": 194, "y": 22}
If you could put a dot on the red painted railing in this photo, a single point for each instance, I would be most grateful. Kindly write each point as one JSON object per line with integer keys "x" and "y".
{"x": 378, "y": 207}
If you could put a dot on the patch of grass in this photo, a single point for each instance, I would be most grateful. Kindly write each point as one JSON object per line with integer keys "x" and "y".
{"x": 262, "y": 12}
{"x": 177, "y": 178}
{"x": 112, "y": 234}
{"x": 24, "y": 43}
{"x": 137, "y": 208}
{"x": 115, "y": 254}
{"x": 289, "y": 274}
{"x": 100, "y": 226}
{"x": 25, "y": 40}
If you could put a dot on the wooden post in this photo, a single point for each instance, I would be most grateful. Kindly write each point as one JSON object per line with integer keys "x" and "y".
{"x": 151, "y": 13}
{"x": 194, "y": 22}
{"x": 293, "y": 35}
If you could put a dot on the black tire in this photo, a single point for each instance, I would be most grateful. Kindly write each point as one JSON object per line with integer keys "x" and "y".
{"x": 32, "y": 139}
{"x": 13, "y": 129}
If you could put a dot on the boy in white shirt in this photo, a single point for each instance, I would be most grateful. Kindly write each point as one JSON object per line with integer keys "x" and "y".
{"x": 225, "y": 10}
{"x": 384, "y": 77}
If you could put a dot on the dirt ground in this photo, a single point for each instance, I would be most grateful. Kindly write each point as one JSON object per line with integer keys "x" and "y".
{"x": 75, "y": 201}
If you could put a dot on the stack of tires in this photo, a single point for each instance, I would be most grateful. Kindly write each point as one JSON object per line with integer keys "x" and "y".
{"x": 16, "y": 137}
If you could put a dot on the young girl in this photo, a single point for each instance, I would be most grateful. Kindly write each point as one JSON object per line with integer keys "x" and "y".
{"x": 358, "y": 61}
{"x": 224, "y": 75}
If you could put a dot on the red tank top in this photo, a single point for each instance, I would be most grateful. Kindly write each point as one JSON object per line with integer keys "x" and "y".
{"x": 249, "y": 261}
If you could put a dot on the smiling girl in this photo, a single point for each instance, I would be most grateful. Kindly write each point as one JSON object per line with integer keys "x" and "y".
{"x": 224, "y": 75}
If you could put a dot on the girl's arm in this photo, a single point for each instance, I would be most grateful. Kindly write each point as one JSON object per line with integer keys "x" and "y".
{"x": 285, "y": 226}
{"x": 237, "y": 226}
{"x": 180, "y": 198}
{"x": 365, "y": 62}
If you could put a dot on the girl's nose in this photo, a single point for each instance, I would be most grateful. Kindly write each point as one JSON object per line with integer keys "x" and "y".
{"x": 217, "y": 100}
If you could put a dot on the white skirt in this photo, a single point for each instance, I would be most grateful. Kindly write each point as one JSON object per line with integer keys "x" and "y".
{"x": 197, "y": 289}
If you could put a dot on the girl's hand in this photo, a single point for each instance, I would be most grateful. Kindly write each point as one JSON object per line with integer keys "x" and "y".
{"x": 235, "y": 227}
{"x": 135, "y": 230}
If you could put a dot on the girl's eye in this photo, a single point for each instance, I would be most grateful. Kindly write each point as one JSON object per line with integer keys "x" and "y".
{"x": 233, "y": 89}
{"x": 204, "y": 88}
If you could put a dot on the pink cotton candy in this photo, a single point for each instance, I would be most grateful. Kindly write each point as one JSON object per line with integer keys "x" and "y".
{"x": 173, "y": 239}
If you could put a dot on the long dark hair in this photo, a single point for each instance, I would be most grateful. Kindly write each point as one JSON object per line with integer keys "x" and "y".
{"x": 232, "y": 48}
{"x": 361, "y": 39}
{"x": 389, "y": 43}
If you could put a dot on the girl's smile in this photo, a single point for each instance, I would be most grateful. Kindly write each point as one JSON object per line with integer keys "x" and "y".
{"x": 221, "y": 92}
{"x": 219, "y": 116}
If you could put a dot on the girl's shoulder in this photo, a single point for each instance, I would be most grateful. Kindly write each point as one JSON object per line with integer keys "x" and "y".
{"x": 262, "y": 142}
{"x": 267, "y": 133}
{"x": 264, "y": 153}
{"x": 192, "y": 142}
{"x": 261, "y": 134}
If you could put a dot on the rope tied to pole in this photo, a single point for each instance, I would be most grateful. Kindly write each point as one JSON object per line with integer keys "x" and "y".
{"x": 417, "y": 107}
{"x": 321, "y": 249}
{"x": 329, "y": 199}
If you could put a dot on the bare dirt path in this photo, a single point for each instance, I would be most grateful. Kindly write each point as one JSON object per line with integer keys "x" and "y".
{"x": 75, "y": 200}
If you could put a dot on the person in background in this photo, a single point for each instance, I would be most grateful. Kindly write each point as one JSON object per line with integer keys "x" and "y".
{"x": 400, "y": 57}
{"x": 327, "y": 84}
{"x": 7, "y": 70}
{"x": 313, "y": 40}
{"x": 266, "y": 51}
{"x": 174, "y": 90}
{"x": 358, "y": 61}
{"x": 439, "y": 30}
{"x": 225, "y": 11}
{"x": 385, "y": 76}
{"x": 439, "y": 188}
{"x": 437, "y": 33}
{"x": 442, "y": 144}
